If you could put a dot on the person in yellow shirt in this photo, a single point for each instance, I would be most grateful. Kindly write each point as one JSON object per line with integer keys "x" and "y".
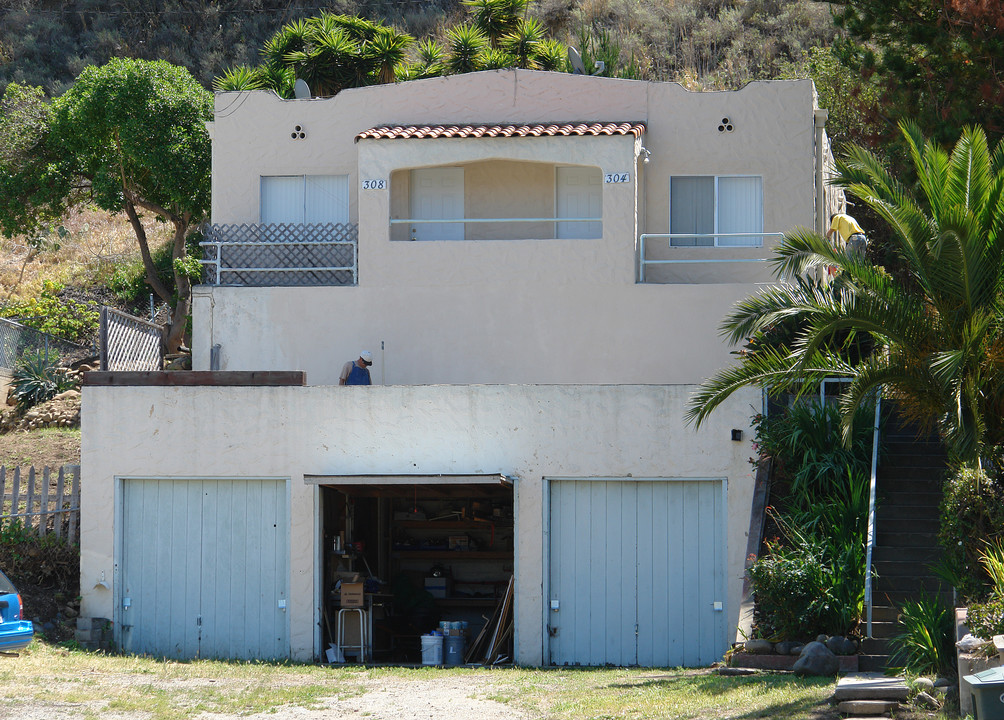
{"x": 850, "y": 233}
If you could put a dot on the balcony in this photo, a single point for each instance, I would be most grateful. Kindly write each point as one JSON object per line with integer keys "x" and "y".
{"x": 705, "y": 258}
{"x": 283, "y": 255}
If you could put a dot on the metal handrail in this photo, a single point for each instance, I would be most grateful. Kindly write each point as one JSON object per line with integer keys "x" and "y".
{"x": 643, "y": 262}
{"x": 871, "y": 514}
{"x": 416, "y": 221}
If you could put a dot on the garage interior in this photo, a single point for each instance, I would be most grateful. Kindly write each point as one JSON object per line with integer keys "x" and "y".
{"x": 412, "y": 556}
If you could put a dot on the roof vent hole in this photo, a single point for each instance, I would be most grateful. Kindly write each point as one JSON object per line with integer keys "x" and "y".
{"x": 726, "y": 125}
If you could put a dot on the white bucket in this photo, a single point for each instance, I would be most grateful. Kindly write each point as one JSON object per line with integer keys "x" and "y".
{"x": 432, "y": 649}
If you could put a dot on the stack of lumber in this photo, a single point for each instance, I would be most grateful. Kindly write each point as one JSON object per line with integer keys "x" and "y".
{"x": 494, "y": 642}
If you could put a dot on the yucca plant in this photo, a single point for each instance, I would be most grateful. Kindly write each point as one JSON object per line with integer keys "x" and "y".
{"x": 468, "y": 46}
{"x": 524, "y": 42}
{"x": 240, "y": 77}
{"x": 925, "y": 643}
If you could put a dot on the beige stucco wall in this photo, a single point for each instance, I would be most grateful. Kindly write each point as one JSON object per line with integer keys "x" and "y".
{"x": 529, "y": 431}
{"x": 456, "y": 332}
{"x": 505, "y": 311}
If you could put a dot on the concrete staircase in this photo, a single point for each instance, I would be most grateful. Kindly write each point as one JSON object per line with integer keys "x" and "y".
{"x": 910, "y": 477}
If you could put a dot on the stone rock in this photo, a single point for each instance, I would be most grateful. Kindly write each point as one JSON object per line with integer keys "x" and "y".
{"x": 816, "y": 659}
{"x": 822, "y": 639}
{"x": 841, "y": 645}
{"x": 796, "y": 649}
{"x": 759, "y": 647}
{"x": 943, "y": 682}
{"x": 784, "y": 647}
{"x": 728, "y": 671}
{"x": 923, "y": 684}
{"x": 926, "y": 701}
{"x": 183, "y": 362}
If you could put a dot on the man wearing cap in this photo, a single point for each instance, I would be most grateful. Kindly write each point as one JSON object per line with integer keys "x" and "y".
{"x": 357, "y": 372}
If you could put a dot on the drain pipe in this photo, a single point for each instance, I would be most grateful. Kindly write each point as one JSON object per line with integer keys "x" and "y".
{"x": 871, "y": 514}
{"x": 819, "y": 122}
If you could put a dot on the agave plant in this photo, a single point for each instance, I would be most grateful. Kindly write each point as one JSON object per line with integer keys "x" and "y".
{"x": 38, "y": 378}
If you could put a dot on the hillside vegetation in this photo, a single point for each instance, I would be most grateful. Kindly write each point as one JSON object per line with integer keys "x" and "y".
{"x": 707, "y": 43}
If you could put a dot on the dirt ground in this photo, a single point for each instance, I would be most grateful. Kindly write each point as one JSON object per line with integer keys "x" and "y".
{"x": 50, "y": 448}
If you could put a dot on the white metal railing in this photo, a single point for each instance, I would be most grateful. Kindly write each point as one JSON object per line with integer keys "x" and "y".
{"x": 643, "y": 239}
{"x": 256, "y": 255}
{"x": 465, "y": 221}
{"x": 871, "y": 514}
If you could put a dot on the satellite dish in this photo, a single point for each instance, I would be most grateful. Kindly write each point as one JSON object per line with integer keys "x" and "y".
{"x": 575, "y": 60}
{"x": 301, "y": 90}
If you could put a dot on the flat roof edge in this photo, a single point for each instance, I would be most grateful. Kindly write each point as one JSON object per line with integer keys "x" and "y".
{"x": 194, "y": 378}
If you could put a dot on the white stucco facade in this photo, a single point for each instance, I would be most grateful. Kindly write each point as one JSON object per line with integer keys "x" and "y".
{"x": 538, "y": 358}
{"x": 530, "y": 432}
{"x": 485, "y": 311}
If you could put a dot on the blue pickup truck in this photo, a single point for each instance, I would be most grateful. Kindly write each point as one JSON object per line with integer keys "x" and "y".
{"x": 15, "y": 633}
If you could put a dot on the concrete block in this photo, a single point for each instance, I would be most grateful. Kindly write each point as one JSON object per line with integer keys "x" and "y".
{"x": 870, "y": 708}
{"x": 871, "y": 686}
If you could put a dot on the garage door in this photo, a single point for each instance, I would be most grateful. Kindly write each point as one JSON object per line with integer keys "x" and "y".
{"x": 204, "y": 568}
{"x": 636, "y": 573}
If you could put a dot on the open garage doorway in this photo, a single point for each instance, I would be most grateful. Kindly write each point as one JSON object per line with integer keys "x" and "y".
{"x": 414, "y": 554}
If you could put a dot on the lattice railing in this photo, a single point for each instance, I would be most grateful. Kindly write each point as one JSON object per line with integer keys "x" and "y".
{"x": 17, "y": 340}
{"x": 130, "y": 343}
{"x": 280, "y": 255}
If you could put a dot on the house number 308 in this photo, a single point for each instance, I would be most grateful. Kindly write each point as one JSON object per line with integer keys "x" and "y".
{"x": 374, "y": 184}
{"x": 617, "y": 177}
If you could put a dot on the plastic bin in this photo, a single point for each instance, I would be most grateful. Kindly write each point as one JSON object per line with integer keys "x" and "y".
{"x": 453, "y": 649}
{"x": 987, "y": 689}
{"x": 432, "y": 649}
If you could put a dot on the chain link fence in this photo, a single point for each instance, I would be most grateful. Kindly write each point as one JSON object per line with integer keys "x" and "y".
{"x": 18, "y": 340}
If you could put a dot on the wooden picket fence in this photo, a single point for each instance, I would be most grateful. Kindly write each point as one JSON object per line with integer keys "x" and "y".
{"x": 42, "y": 502}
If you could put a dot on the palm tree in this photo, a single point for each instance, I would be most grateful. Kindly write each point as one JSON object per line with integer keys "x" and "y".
{"x": 936, "y": 335}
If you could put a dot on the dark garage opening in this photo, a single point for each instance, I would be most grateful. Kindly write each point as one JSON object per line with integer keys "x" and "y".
{"x": 420, "y": 555}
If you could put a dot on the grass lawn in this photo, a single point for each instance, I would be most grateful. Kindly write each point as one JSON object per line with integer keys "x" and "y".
{"x": 56, "y": 682}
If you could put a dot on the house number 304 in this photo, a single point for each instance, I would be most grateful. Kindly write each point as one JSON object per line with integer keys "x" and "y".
{"x": 374, "y": 184}
{"x": 617, "y": 177}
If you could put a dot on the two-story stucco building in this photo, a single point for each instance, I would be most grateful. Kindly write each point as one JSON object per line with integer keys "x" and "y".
{"x": 539, "y": 263}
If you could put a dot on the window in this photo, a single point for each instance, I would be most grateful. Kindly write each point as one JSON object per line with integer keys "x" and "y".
{"x": 304, "y": 199}
{"x": 709, "y": 207}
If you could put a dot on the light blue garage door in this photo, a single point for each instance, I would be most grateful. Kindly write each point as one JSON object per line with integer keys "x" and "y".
{"x": 204, "y": 568}
{"x": 636, "y": 573}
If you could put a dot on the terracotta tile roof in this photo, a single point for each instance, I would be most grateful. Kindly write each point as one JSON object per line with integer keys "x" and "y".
{"x": 396, "y": 132}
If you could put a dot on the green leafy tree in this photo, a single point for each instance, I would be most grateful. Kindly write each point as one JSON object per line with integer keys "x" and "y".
{"x": 128, "y": 136}
{"x": 937, "y": 332}
{"x": 939, "y": 61}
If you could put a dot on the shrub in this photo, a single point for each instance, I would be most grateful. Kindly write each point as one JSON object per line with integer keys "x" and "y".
{"x": 37, "y": 380}
{"x": 986, "y": 619}
{"x": 49, "y": 313}
{"x": 925, "y": 643}
{"x": 794, "y": 592}
{"x": 972, "y": 514}
{"x": 806, "y": 445}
